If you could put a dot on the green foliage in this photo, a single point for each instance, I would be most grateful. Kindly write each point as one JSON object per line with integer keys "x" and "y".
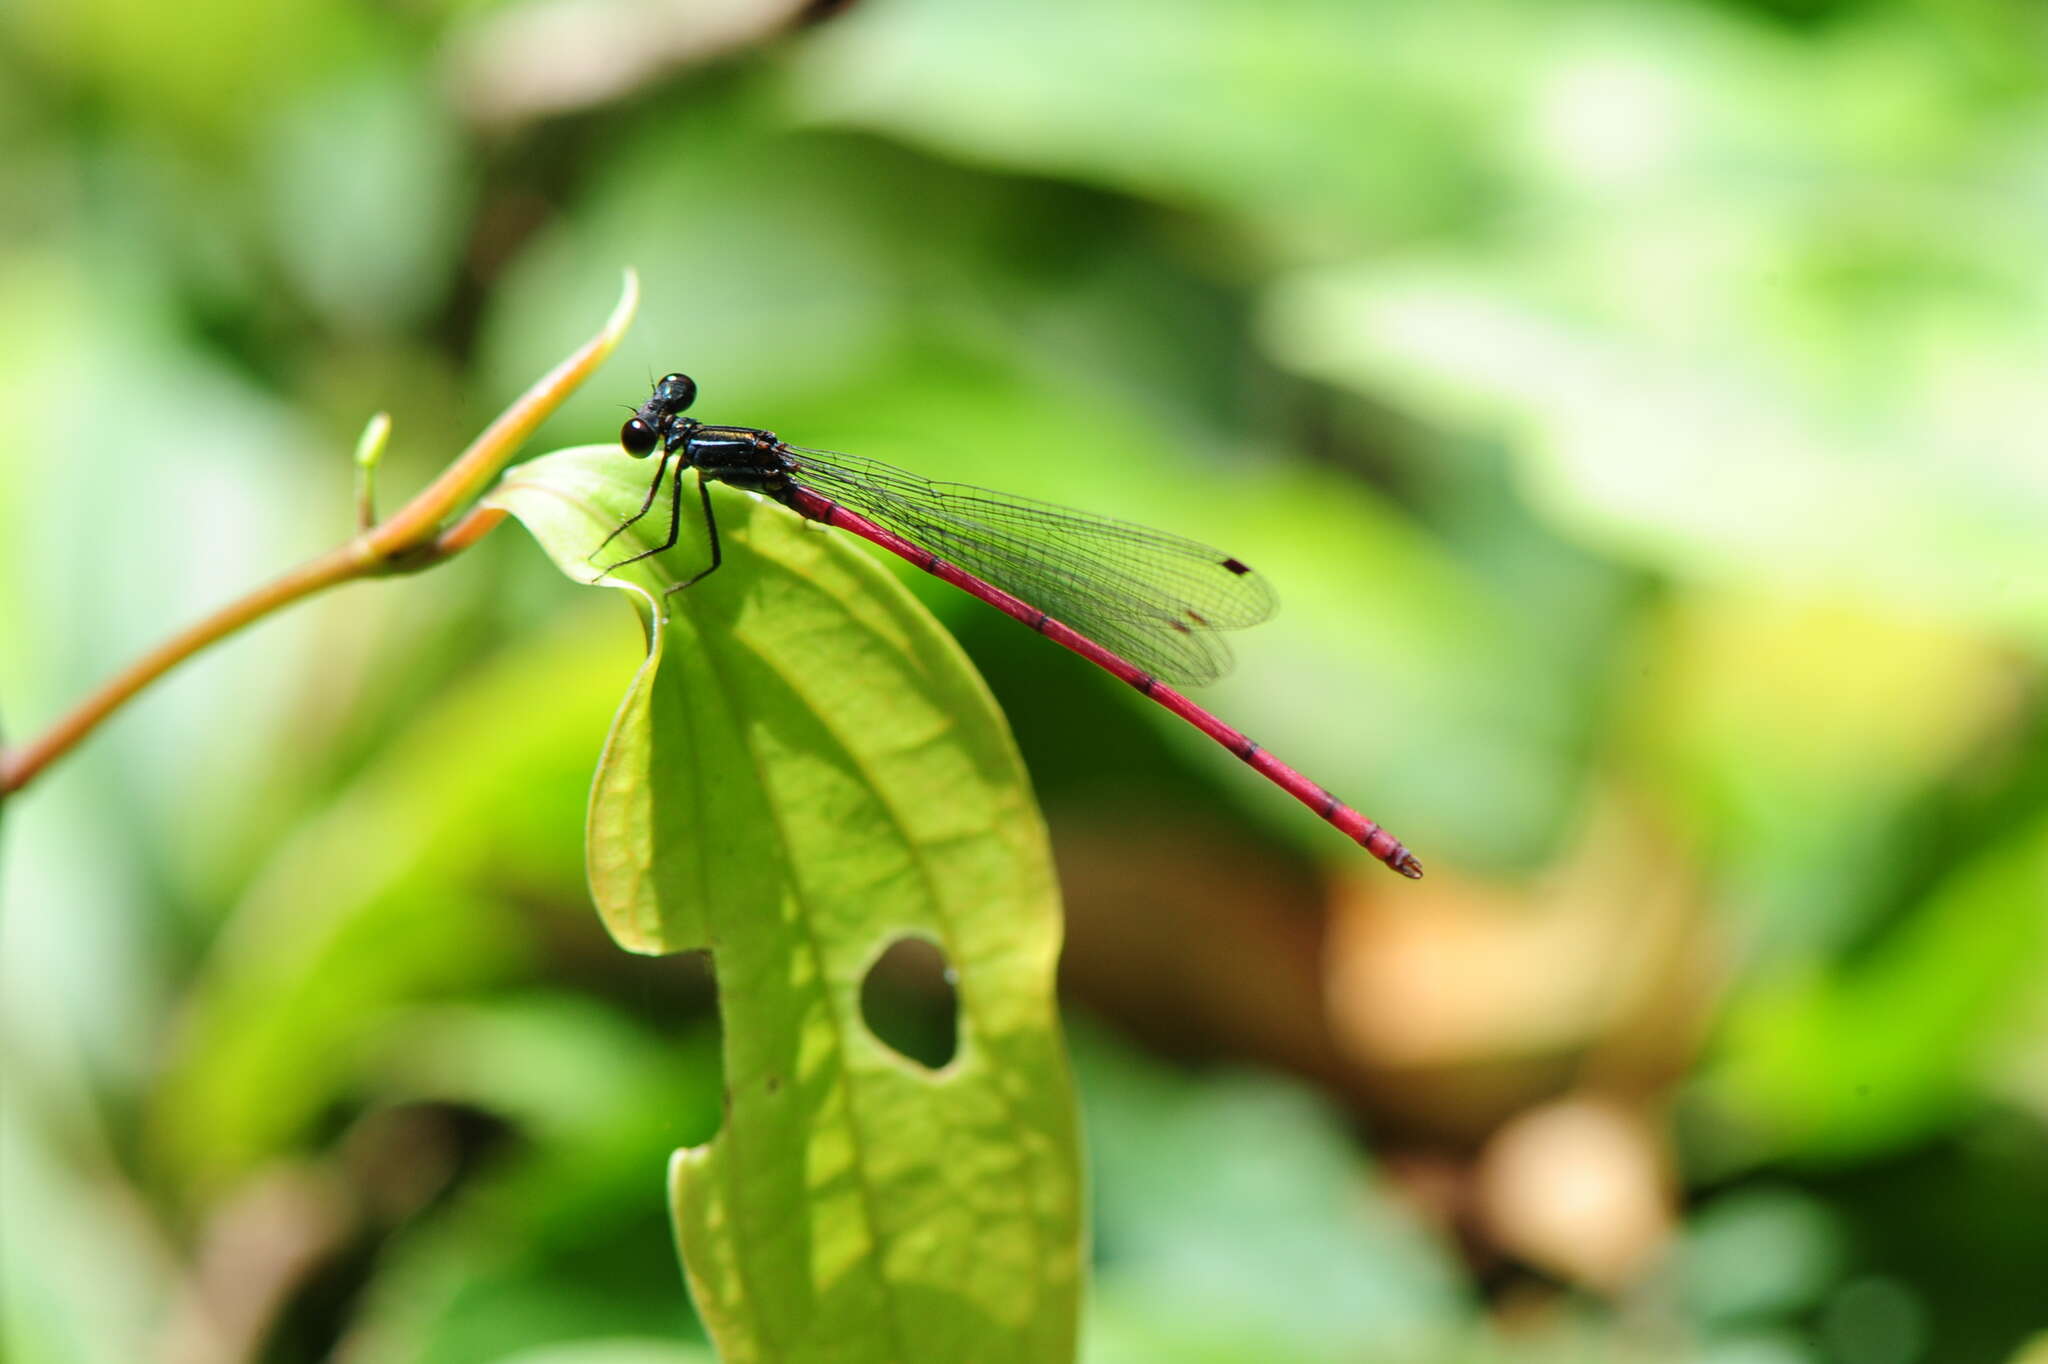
{"x": 1635, "y": 405}
{"x": 1879, "y": 1052}
{"x": 1242, "y": 1227}
{"x": 804, "y": 769}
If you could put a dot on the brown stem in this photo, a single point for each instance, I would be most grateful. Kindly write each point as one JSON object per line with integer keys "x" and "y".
{"x": 410, "y": 540}
{"x": 19, "y": 765}
{"x": 475, "y": 524}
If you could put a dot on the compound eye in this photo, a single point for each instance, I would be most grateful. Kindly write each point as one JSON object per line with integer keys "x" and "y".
{"x": 638, "y": 438}
{"x": 678, "y": 391}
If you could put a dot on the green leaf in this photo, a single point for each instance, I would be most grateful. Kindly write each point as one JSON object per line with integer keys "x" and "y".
{"x": 1249, "y": 1226}
{"x": 1867, "y": 1057}
{"x": 1284, "y": 135}
{"x": 471, "y": 803}
{"x": 804, "y": 770}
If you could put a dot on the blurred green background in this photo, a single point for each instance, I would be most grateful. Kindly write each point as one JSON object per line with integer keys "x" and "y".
{"x": 1637, "y": 406}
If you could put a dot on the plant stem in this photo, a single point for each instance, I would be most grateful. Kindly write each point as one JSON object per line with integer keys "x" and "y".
{"x": 19, "y": 765}
{"x": 411, "y": 539}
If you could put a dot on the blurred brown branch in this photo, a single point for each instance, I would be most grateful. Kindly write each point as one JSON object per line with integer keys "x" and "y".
{"x": 411, "y": 539}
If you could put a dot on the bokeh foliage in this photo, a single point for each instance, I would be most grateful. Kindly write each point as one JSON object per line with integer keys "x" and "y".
{"x": 1636, "y": 405}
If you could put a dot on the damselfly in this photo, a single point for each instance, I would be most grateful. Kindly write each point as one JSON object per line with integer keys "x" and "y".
{"x": 1140, "y": 604}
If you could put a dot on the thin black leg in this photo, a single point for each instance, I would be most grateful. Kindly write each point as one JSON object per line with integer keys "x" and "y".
{"x": 711, "y": 528}
{"x": 675, "y": 522}
{"x": 660, "y": 467}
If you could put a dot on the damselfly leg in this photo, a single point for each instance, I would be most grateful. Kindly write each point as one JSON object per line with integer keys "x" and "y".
{"x": 653, "y": 489}
{"x": 675, "y": 522}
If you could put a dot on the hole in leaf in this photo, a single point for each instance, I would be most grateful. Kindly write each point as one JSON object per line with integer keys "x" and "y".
{"x": 908, "y": 1001}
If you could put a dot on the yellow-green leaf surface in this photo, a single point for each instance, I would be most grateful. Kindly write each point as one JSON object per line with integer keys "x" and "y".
{"x": 805, "y": 770}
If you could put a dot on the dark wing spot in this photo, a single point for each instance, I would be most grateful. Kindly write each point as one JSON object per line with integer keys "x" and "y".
{"x": 1237, "y": 566}
{"x": 1178, "y": 626}
{"x": 1198, "y": 618}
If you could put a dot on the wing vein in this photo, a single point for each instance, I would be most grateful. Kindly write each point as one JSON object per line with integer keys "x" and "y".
{"x": 1157, "y": 599}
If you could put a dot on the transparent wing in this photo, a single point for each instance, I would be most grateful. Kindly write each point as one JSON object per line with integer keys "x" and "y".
{"x": 1156, "y": 599}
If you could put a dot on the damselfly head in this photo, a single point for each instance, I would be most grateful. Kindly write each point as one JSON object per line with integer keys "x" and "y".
{"x": 672, "y": 395}
{"x": 638, "y": 438}
{"x": 675, "y": 393}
